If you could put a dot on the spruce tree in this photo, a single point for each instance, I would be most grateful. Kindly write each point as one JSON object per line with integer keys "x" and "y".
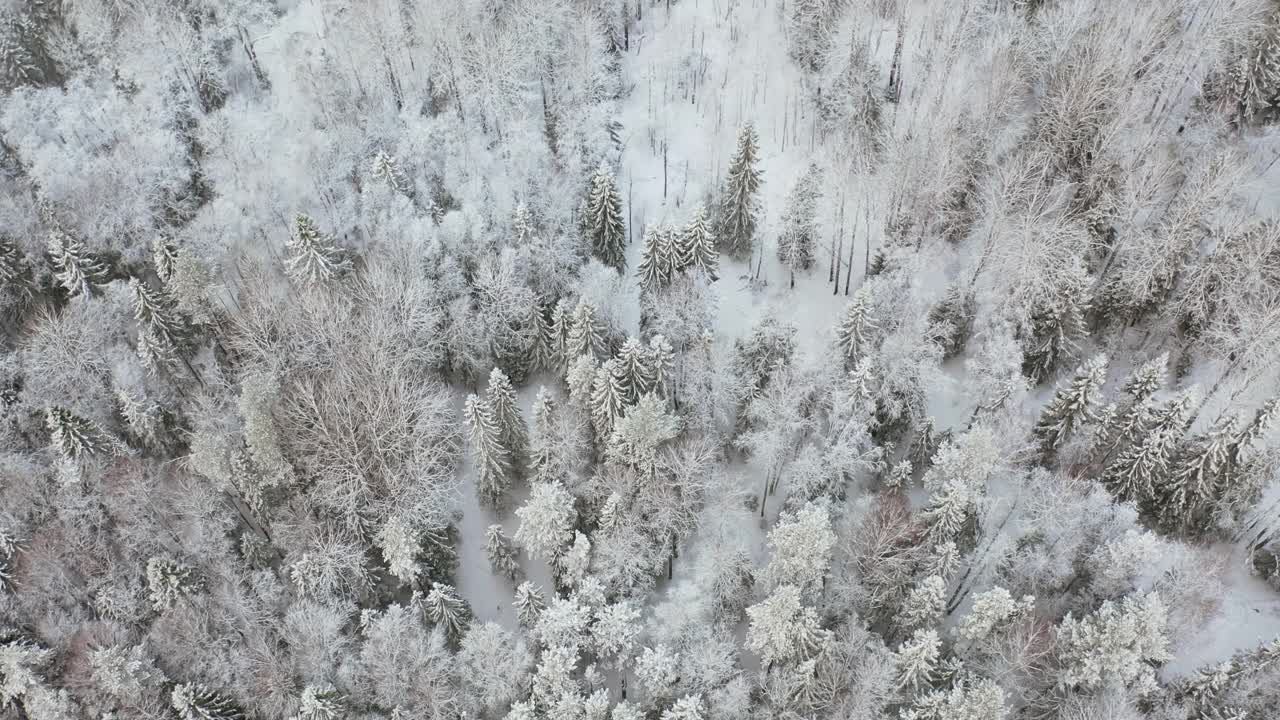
{"x": 168, "y": 580}
{"x": 386, "y": 170}
{"x": 658, "y": 258}
{"x": 661, "y": 361}
{"x": 444, "y": 608}
{"x": 502, "y": 553}
{"x": 491, "y": 458}
{"x": 501, "y": 400}
{"x": 542, "y": 453}
{"x": 799, "y": 223}
{"x": 75, "y": 269}
{"x": 529, "y": 603}
{"x": 194, "y": 701}
{"x": 584, "y": 333}
{"x": 155, "y": 313}
{"x": 164, "y": 256}
{"x": 634, "y": 371}
{"x": 558, "y": 334}
{"x": 1055, "y": 330}
{"x": 1120, "y": 431}
{"x": 951, "y": 320}
{"x": 739, "y": 209}
{"x": 314, "y": 257}
{"x": 608, "y": 399}
{"x": 1133, "y": 475}
{"x": 73, "y": 436}
{"x": 1072, "y": 406}
{"x": 1198, "y": 479}
{"x": 697, "y": 246}
{"x": 856, "y": 327}
{"x": 605, "y": 227}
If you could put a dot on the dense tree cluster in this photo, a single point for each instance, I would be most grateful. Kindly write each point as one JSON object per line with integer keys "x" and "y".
{"x": 408, "y": 359}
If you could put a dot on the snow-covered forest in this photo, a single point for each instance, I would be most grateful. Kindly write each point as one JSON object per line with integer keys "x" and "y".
{"x": 640, "y": 359}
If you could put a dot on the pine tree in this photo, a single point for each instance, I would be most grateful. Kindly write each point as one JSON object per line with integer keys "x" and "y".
{"x": 605, "y": 227}
{"x": 194, "y": 701}
{"x": 1055, "y": 330}
{"x": 951, "y": 320}
{"x": 491, "y": 458}
{"x": 739, "y": 204}
{"x": 529, "y": 604}
{"x": 1072, "y": 406}
{"x": 1262, "y": 421}
{"x": 1199, "y": 478}
{"x": 522, "y": 224}
{"x": 608, "y": 399}
{"x": 313, "y": 256}
{"x": 609, "y": 512}
{"x": 925, "y": 603}
{"x": 168, "y": 580}
{"x": 917, "y": 659}
{"x": 164, "y": 256}
{"x": 386, "y": 170}
{"x": 1120, "y": 432}
{"x": 443, "y": 606}
{"x": 501, "y": 400}
{"x": 155, "y": 313}
{"x": 799, "y": 223}
{"x": 659, "y": 258}
{"x": 697, "y": 246}
{"x": 73, "y": 436}
{"x": 661, "y": 361}
{"x": 321, "y": 703}
{"x": 502, "y": 553}
{"x": 558, "y": 334}
{"x": 542, "y": 455}
{"x": 857, "y": 327}
{"x": 584, "y": 333}
{"x": 1135, "y": 473}
{"x": 75, "y": 269}
{"x": 634, "y": 371}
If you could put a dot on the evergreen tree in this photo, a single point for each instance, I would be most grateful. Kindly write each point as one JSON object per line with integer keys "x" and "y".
{"x": 1126, "y": 427}
{"x": 542, "y": 455}
{"x": 1199, "y": 478}
{"x": 75, "y": 269}
{"x": 1055, "y": 329}
{"x": 697, "y": 246}
{"x": 502, "y": 553}
{"x": 1135, "y": 473}
{"x": 314, "y": 257}
{"x": 194, "y": 701}
{"x": 661, "y": 360}
{"x": 1072, "y": 406}
{"x": 799, "y": 223}
{"x": 321, "y": 703}
{"x": 491, "y": 457}
{"x": 386, "y": 170}
{"x": 951, "y": 320}
{"x": 73, "y": 436}
{"x": 739, "y": 205}
{"x": 529, "y": 604}
{"x": 917, "y": 659}
{"x": 634, "y": 370}
{"x": 1262, "y": 421}
{"x": 608, "y": 399}
{"x": 584, "y": 333}
{"x": 558, "y": 334}
{"x": 501, "y": 400}
{"x": 605, "y": 227}
{"x": 168, "y": 580}
{"x": 164, "y": 256}
{"x": 854, "y": 335}
{"x": 155, "y": 313}
{"x": 659, "y": 258}
{"x": 444, "y": 608}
